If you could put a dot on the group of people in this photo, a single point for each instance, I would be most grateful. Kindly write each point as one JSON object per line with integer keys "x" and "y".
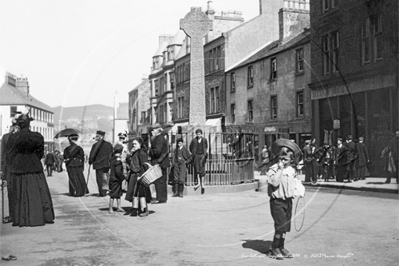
{"x": 346, "y": 161}
{"x": 116, "y": 165}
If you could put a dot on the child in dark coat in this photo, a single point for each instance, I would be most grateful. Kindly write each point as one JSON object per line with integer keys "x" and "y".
{"x": 118, "y": 174}
{"x": 180, "y": 158}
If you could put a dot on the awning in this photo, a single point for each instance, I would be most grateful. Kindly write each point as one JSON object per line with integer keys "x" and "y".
{"x": 214, "y": 125}
{"x": 175, "y": 127}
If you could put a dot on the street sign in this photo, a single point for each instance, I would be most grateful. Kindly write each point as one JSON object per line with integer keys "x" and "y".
{"x": 337, "y": 124}
{"x": 270, "y": 129}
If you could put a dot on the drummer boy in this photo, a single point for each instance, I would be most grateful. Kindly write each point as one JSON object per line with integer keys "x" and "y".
{"x": 281, "y": 188}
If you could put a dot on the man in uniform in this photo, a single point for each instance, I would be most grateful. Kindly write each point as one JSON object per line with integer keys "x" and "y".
{"x": 159, "y": 153}
{"x": 100, "y": 154}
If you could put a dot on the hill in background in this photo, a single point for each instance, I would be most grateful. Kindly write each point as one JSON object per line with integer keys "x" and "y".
{"x": 81, "y": 112}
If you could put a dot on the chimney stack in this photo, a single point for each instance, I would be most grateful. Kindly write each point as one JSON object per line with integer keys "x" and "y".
{"x": 210, "y": 12}
{"x": 293, "y": 18}
{"x": 23, "y": 85}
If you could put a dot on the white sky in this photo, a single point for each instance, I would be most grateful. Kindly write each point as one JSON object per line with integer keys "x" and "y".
{"x": 78, "y": 52}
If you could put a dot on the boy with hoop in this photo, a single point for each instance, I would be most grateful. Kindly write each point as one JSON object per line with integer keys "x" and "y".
{"x": 281, "y": 190}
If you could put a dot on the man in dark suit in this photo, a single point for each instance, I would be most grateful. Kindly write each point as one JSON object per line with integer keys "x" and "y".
{"x": 363, "y": 159}
{"x": 311, "y": 166}
{"x": 5, "y": 169}
{"x": 351, "y": 158}
{"x": 100, "y": 154}
{"x": 49, "y": 161}
{"x": 159, "y": 153}
{"x": 199, "y": 153}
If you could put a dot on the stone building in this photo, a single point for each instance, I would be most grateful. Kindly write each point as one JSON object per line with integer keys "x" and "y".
{"x": 139, "y": 109}
{"x": 14, "y": 97}
{"x": 355, "y": 71}
{"x": 267, "y": 94}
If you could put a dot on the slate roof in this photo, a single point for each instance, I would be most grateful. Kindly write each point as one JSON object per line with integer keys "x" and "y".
{"x": 10, "y": 95}
{"x": 276, "y": 47}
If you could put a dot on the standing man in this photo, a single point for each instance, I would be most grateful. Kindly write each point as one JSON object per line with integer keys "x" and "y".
{"x": 310, "y": 162}
{"x": 341, "y": 160}
{"x": 363, "y": 159}
{"x": 390, "y": 153}
{"x": 199, "y": 152}
{"x": 159, "y": 153}
{"x": 351, "y": 157}
{"x": 49, "y": 161}
{"x": 100, "y": 154}
{"x": 5, "y": 169}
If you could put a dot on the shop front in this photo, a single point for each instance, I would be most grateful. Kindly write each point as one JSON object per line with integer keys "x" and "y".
{"x": 370, "y": 114}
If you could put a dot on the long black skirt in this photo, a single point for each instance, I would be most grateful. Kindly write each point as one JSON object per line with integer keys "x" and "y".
{"x": 137, "y": 189}
{"x": 77, "y": 182}
{"x": 33, "y": 205}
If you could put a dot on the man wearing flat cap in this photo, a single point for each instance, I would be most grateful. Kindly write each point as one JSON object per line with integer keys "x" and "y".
{"x": 100, "y": 154}
{"x": 159, "y": 153}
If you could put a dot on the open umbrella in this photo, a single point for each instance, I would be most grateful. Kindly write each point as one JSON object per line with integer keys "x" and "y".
{"x": 66, "y": 132}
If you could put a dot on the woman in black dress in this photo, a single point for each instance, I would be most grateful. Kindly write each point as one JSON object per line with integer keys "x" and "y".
{"x": 74, "y": 162}
{"x": 138, "y": 193}
{"x": 33, "y": 205}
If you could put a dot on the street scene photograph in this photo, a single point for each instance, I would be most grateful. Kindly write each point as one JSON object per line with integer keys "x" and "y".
{"x": 199, "y": 132}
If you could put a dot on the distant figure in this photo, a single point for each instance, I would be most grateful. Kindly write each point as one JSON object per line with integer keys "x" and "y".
{"x": 265, "y": 160}
{"x": 390, "y": 156}
{"x": 363, "y": 159}
{"x": 100, "y": 154}
{"x": 33, "y": 205}
{"x": 311, "y": 166}
{"x": 74, "y": 162}
{"x": 59, "y": 160}
{"x": 341, "y": 160}
{"x": 350, "y": 173}
{"x": 49, "y": 162}
{"x": 199, "y": 154}
{"x": 180, "y": 159}
{"x": 118, "y": 175}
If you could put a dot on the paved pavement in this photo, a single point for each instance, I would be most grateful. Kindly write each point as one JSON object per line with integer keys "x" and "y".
{"x": 341, "y": 227}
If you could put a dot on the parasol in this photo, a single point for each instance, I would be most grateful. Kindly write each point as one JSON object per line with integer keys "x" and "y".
{"x": 66, "y": 132}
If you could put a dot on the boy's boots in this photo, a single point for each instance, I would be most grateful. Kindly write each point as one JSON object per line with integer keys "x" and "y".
{"x": 181, "y": 188}
{"x": 176, "y": 190}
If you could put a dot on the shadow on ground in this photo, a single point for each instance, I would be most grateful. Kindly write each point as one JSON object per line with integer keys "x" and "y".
{"x": 258, "y": 245}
